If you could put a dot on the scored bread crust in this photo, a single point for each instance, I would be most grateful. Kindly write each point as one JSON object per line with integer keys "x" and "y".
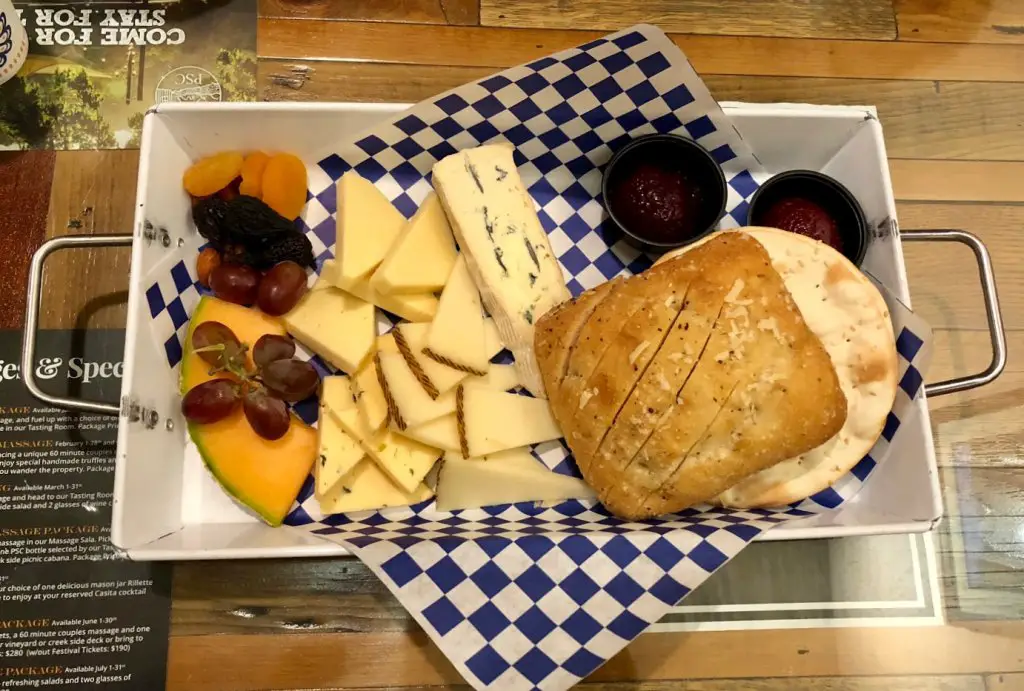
{"x": 849, "y": 315}
{"x": 656, "y": 479}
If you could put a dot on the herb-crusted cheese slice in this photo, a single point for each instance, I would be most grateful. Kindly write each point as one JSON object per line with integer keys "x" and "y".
{"x": 505, "y": 246}
{"x": 339, "y": 453}
{"x": 368, "y": 487}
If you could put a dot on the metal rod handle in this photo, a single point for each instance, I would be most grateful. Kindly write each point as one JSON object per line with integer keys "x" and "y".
{"x": 992, "y": 313}
{"x": 28, "y": 347}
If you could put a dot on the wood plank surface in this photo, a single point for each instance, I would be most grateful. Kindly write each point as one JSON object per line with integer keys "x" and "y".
{"x": 92, "y": 194}
{"x": 305, "y": 660}
{"x": 966, "y": 21}
{"x": 741, "y": 55}
{"x": 25, "y": 179}
{"x": 415, "y": 11}
{"x": 861, "y": 19}
{"x": 917, "y": 115}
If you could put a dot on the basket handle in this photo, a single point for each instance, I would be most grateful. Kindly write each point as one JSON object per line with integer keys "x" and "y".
{"x": 992, "y": 313}
{"x": 28, "y": 347}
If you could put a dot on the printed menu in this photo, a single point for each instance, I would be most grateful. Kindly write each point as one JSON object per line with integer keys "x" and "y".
{"x": 74, "y": 612}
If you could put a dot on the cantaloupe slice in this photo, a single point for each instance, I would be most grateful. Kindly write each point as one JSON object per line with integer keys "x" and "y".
{"x": 264, "y": 475}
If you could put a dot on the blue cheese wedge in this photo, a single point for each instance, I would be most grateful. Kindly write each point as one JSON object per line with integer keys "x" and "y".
{"x": 506, "y": 249}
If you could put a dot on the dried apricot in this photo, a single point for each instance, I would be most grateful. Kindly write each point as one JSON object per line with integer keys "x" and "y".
{"x": 207, "y": 261}
{"x": 252, "y": 174}
{"x": 284, "y": 185}
{"x": 212, "y": 174}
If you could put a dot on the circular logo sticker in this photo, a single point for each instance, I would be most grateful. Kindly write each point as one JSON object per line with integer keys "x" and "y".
{"x": 188, "y": 84}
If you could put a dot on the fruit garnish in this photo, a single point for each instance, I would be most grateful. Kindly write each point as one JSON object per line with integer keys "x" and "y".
{"x": 252, "y": 174}
{"x": 281, "y": 288}
{"x": 210, "y": 401}
{"x": 207, "y": 261}
{"x": 292, "y": 380}
{"x": 212, "y": 174}
{"x": 277, "y": 378}
{"x": 247, "y": 231}
{"x": 235, "y": 283}
{"x": 272, "y": 347}
{"x": 284, "y": 185}
{"x": 268, "y": 416}
{"x": 216, "y": 344}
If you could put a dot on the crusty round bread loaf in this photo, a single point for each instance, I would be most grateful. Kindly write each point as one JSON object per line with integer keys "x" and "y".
{"x": 848, "y": 314}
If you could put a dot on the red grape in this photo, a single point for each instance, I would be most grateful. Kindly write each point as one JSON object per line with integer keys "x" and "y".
{"x": 268, "y": 416}
{"x": 272, "y": 347}
{"x": 235, "y": 283}
{"x": 211, "y": 334}
{"x": 292, "y": 380}
{"x": 210, "y": 401}
{"x": 281, "y": 288}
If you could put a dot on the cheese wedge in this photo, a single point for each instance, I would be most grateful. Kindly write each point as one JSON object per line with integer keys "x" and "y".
{"x": 498, "y": 377}
{"x": 439, "y": 378}
{"x": 339, "y": 327}
{"x": 506, "y": 249}
{"x": 422, "y": 258}
{"x": 496, "y": 420}
{"x": 404, "y": 460}
{"x": 415, "y": 406}
{"x": 456, "y": 335}
{"x": 418, "y": 331}
{"x": 367, "y": 488}
{"x": 516, "y": 457}
{"x": 368, "y": 225}
{"x": 470, "y": 484}
{"x": 369, "y": 396}
{"x": 414, "y": 308}
{"x": 339, "y": 452}
{"x": 440, "y": 433}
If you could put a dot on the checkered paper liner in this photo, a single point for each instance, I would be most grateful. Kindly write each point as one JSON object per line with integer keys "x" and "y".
{"x": 526, "y": 596}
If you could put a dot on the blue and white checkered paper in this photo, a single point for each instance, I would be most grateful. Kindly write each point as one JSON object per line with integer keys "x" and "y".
{"x": 525, "y": 596}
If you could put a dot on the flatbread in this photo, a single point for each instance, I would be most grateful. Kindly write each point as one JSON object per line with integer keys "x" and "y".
{"x": 848, "y": 314}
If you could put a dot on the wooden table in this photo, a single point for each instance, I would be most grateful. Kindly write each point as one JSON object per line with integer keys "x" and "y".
{"x": 947, "y": 77}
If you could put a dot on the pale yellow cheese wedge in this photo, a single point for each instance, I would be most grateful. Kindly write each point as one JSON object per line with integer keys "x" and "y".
{"x": 520, "y": 457}
{"x": 470, "y": 484}
{"x": 496, "y": 421}
{"x": 421, "y": 259}
{"x": 338, "y": 452}
{"x": 339, "y": 327}
{"x": 413, "y": 402}
{"x": 414, "y": 308}
{"x": 440, "y": 433}
{"x": 367, "y": 223}
{"x": 404, "y": 460}
{"x": 457, "y": 331}
{"x": 369, "y": 396}
{"x": 367, "y": 488}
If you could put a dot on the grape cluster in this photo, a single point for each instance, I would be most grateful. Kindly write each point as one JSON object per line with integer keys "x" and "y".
{"x": 276, "y": 292}
{"x": 263, "y": 391}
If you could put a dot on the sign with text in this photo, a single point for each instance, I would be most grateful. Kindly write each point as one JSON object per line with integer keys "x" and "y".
{"x": 74, "y": 612}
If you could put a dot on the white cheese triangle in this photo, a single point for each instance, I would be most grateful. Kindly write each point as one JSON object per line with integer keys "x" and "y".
{"x": 338, "y": 452}
{"x": 338, "y": 327}
{"x": 415, "y": 308}
{"x": 422, "y": 258}
{"x": 413, "y": 402}
{"x": 405, "y": 461}
{"x": 471, "y": 484}
{"x": 367, "y": 488}
{"x": 457, "y": 331}
{"x": 515, "y": 457}
{"x": 369, "y": 396}
{"x": 496, "y": 420}
{"x": 368, "y": 225}
{"x": 440, "y": 433}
